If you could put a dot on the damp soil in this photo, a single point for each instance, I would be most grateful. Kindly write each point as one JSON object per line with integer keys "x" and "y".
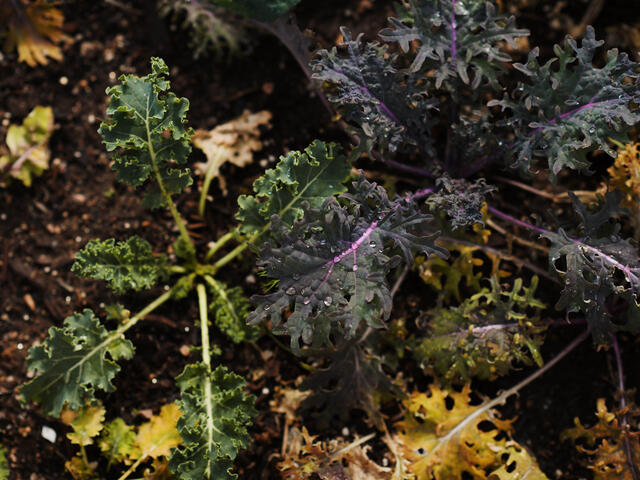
{"x": 78, "y": 199}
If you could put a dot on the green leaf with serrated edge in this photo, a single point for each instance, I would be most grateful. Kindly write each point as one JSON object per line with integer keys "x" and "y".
{"x": 4, "y": 466}
{"x": 28, "y": 147}
{"x": 318, "y": 172}
{"x": 484, "y": 335}
{"x": 72, "y": 362}
{"x": 128, "y": 265}
{"x": 230, "y": 309}
{"x": 332, "y": 265}
{"x": 147, "y": 132}
{"x": 596, "y": 264}
{"x": 569, "y": 107}
{"x": 116, "y": 441}
{"x": 214, "y": 427}
{"x": 261, "y": 10}
{"x": 87, "y": 425}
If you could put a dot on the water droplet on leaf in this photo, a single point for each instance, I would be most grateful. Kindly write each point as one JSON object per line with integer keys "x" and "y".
{"x": 307, "y": 301}
{"x": 291, "y": 291}
{"x": 327, "y": 301}
{"x": 355, "y": 267}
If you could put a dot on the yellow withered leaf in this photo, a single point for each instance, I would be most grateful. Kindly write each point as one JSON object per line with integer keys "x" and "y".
{"x": 613, "y": 444}
{"x": 86, "y": 425}
{"x": 156, "y": 437}
{"x": 624, "y": 175}
{"x": 35, "y": 29}
{"x": 444, "y": 437}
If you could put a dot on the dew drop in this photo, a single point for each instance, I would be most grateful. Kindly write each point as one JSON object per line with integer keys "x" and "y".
{"x": 327, "y": 301}
{"x": 267, "y": 307}
{"x": 291, "y": 291}
{"x": 592, "y": 130}
{"x": 373, "y": 244}
{"x": 307, "y": 301}
{"x": 355, "y": 267}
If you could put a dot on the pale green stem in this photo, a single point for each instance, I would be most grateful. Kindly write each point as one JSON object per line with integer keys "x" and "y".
{"x": 85, "y": 459}
{"x": 208, "y": 177}
{"x": 220, "y": 243}
{"x": 206, "y": 359}
{"x": 132, "y": 468}
{"x": 230, "y": 256}
{"x": 167, "y": 196}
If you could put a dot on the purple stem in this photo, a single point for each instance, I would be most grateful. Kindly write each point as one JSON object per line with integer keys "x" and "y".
{"x": 623, "y": 405}
{"x": 362, "y": 238}
{"x": 572, "y": 112}
{"x": 384, "y": 107}
{"x": 515, "y": 221}
{"x": 454, "y": 34}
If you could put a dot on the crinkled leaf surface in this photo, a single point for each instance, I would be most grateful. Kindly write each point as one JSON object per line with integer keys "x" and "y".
{"x": 371, "y": 93}
{"x": 462, "y": 201}
{"x": 442, "y": 439}
{"x": 612, "y": 444}
{"x": 87, "y": 425}
{"x": 28, "y": 147}
{"x": 331, "y": 266}
{"x": 4, "y": 467}
{"x": 318, "y": 172}
{"x": 456, "y": 39}
{"x": 159, "y": 435}
{"x": 117, "y": 440}
{"x": 485, "y": 335}
{"x": 73, "y": 361}
{"x": 213, "y": 427}
{"x": 147, "y": 132}
{"x": 569, "y": 107}
{"x": 35, "y": 29}
{"x": 595, "y": 265}
{"x": 128, "y": 265}
{"x": 230, "y": 308}
{"x": 261, "y": 10}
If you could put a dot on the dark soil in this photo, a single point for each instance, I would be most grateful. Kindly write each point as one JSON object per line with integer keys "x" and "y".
{"x": 78, "y": 199}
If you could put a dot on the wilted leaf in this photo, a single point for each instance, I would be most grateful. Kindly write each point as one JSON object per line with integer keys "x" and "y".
{"x": 128, "y": 265}
{"x": 34, "y": 29}
{"x": 306, "y": 458}
{"x": 28, "y": 147}
{"x": 624, "y": 175}
{"x": 87, "y": 424}
{"x": 116, "y": 441}
{"x": 159, "y": 435}
{"x": 233, "y": 142}
{"x": 73, "y": 361}
{"x": 444, "y": 437}
{"x": 612, "y": 444}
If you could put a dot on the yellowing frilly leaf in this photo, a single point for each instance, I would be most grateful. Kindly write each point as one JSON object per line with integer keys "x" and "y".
{"x": 613, "y": 445}
{"x": 28, "y": 147}
{"x": 156, "y": 437}
{"x": 159, "y": 470}
{"x": 624, "y": 175}
{"x": 305, "y": 458}
{"x": 87, "y": 425}
{"x": 287, "y": 401}
{"x": 116, "y": 441}
{"x": 79, "y": 470}
{"x": 441, "y": 438}
{"x": 35, "y": 29}
{"x": 233, "y": 142}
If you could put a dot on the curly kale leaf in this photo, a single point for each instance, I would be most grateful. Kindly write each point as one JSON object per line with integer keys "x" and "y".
{"x": 485, "y": 335}
{"x": 595, "y": 266}
{"x": 371, "y": 93}
{"x": 456, "y": 38}
{"x": 128, "y": 265}
{"x": 460, "y": 199}
{"x": 331, "y": 266}
{"x": 216, "y": 412}
{"x": 569, "y": 107}
{"x": 352, "y": 378}
{"x": 73, "y": 361}
{"x": 230, "y": 309}
{"x": 261, "y": 10}
{"x": 147, "y": 130}
{"x": 310, "y": 176}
